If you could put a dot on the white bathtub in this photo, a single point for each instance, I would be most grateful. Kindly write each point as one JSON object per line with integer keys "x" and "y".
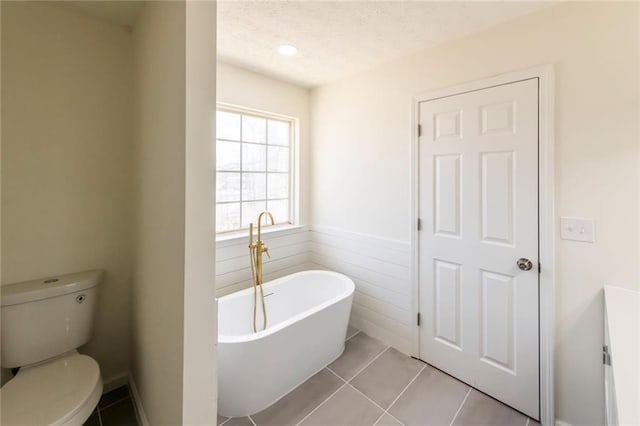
{"x": 308, "y": 313}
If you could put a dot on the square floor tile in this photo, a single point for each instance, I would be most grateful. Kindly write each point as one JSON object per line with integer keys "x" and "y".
{"x": 114, "y": 396}
{"x": 387, "y": 420}
{"x": 93, "y": 419}
{"x": 480, "y": 409}
{"x": 346, "y": 407}
{"x": 294, "y": 406}
{"x": 119, "y": 414}
{"x": 387, "y": 376}
{"x": 432, "y": 399}
{"x": 358, "y": 351}
{"x": 221, "y": 419}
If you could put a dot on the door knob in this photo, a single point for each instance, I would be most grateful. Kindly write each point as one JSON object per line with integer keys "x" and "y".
{"x": 524, "y": 264}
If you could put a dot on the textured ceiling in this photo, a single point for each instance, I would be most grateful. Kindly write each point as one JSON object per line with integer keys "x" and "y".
{"x": 339, "y": 38}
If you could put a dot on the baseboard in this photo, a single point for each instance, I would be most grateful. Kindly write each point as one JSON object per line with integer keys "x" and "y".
{"x": 137, "y": 403}
{"x": 114, "y": 382}
{"x": 561, "y": 423}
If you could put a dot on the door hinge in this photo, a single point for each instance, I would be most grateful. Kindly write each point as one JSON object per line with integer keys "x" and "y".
{"x": 606, "y": 356}
{"x": 539, "y": 267}
{"x": 419, "y": 224}
{"x": 419, "y": 130}
{"x": 418, "y": 319}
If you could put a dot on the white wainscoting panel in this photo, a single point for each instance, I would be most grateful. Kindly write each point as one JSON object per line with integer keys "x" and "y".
{"x": 289, "y": 249}
{"x": 381, "y": 270}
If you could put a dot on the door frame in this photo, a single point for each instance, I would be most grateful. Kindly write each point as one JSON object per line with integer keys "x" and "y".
{"x": 546, "y": 229}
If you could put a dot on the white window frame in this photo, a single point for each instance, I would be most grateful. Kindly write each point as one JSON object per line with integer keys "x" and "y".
{"x": 294, "y": 195}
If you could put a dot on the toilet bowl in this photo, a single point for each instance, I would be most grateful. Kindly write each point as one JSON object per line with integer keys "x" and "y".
{"x": 63, "y": 391}
{"x": 43, "y": 323}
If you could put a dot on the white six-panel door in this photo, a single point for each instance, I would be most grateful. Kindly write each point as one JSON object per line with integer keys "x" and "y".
{"x": 479, "y": 209}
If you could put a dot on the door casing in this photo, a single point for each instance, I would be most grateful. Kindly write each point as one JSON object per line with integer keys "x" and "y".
{"x": 545, "y": 76}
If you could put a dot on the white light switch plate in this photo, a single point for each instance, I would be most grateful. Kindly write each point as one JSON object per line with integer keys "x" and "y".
{"x": 577, "y": 229}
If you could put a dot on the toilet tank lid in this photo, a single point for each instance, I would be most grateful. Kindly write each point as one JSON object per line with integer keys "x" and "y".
{"x": 45, "y": 288}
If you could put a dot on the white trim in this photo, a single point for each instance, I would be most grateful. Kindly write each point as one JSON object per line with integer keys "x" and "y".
{"x": 545, "y": 75}
{"x": 546, "y": 214}
{"x": 415, "y": 213}
{"x": 231, "y": 238}
{"x": 137, "y": 403}
{"x": 114, "y": 382}
{"x": 253, "y": 111}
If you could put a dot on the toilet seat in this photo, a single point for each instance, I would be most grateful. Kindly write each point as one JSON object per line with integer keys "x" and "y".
{"x": 62, "y": 391}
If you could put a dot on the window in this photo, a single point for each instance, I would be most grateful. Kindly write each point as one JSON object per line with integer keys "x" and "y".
{"x": 253, "y": 168}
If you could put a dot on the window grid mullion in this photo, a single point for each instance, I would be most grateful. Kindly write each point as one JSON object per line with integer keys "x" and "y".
{"x": 252, "y": 201}
{"x": 241, "y": 168}
{"x": 249, "y": 172}
{"x": 266, "y": 165}
{"x": 252, "y": 143}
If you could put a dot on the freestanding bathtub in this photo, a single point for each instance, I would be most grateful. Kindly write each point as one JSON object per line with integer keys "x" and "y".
{"x": 308, "y": 313}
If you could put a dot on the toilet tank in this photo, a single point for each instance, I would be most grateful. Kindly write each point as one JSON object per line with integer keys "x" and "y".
{"x": 47, "y": 317}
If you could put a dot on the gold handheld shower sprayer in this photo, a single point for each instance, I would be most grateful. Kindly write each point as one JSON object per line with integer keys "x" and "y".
{"x": 255, "y": 252}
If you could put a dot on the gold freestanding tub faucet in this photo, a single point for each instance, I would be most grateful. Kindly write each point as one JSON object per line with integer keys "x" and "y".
{"x": 255, "y": 252}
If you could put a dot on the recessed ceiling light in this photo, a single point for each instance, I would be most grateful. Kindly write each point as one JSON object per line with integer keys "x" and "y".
{"x": 287, "y": 50}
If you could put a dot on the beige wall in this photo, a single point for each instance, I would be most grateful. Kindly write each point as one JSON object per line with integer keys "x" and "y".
{"x": 159, "y": 163}
{"x": 240, "y": 87}
{"x": 174, "y": 317}
{"x": 360, "y": 159}
{"x": 102, "y": 169}
{"x": 66, "y": 170}
{"x": 200, "y": 313}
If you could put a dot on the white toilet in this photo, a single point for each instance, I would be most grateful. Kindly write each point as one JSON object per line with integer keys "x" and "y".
{"x": 43, "y": 323}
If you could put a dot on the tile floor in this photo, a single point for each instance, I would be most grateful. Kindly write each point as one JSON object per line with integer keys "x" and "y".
{"x": 114, "y": 409}
{"x": 373, "y": 384}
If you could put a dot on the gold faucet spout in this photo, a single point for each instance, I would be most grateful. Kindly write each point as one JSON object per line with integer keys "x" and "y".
{"x": 270, "y": 216}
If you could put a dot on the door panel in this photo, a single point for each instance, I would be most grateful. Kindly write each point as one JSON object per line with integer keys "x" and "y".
{"x": 479, "y": 204}
{"x": 497, "y": 177}
{"x": 497, "y": 331}
{"x": 448, "y": 320}
{"x": 447, "y": 203}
